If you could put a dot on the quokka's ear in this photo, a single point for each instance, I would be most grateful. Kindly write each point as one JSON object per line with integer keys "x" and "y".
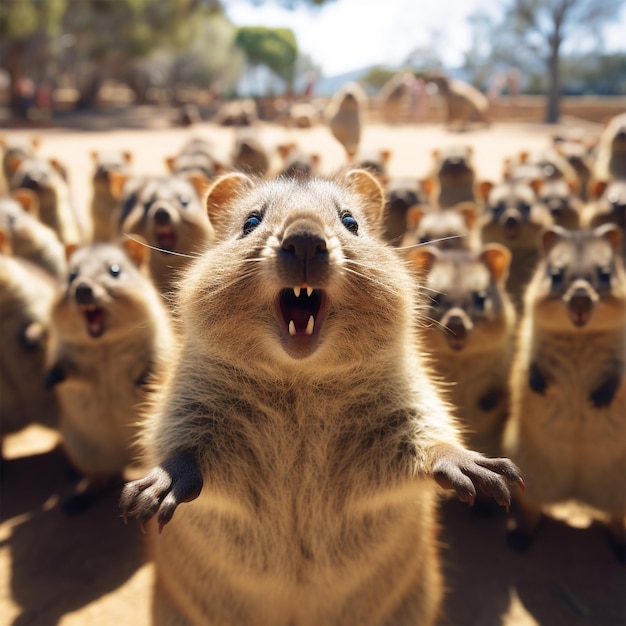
{"x": 498, "y": 259}
{"x": 28, "y": 199}
{"x": 372, "y": 196}
{"x": 221, "y": 194}
{"x": 422, "y": 258}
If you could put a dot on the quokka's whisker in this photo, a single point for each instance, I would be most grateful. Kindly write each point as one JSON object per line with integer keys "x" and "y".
{"x": 428, "y": 243}
{"x": 147, "y": 245}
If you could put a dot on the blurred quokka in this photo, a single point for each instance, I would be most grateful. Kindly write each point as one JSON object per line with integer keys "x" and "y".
{"x": 543, "y": 165}
{"x": 514, "y": 217}
{"x": 300, "y": 422}
{"x": 561, "y": 200}
{"x": 48, "y": 179}
{"x": 402, "y": 194}
{"x": 165, "y": 211}
{"x": 470, "y": 335}
{"x": 464, "y": 104}
{"x": 579, "y": 153}
{"x": 111, "y": 334}
{"x": 610, "y": 162}
{"x": 26, "y": 296}
{"x": 345, "y": 117}
{"x": 29, "y": 238}
{"x": 567, "y": 429}
{"x": 105, "y": 206}
{"x": 608, "y": 206}
{"x": 449, "y": 229}
{"x": 298, "y": 162}
{"x": 250, "y": 155}
{"x": 453, "y": 177}
{"x": 14, "y": 151}
{"x": 375, "y": 162}
{"x": 196, "y": 158}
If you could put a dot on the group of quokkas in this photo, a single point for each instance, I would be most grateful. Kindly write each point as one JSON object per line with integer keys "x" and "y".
{"x": 297, "y": 356}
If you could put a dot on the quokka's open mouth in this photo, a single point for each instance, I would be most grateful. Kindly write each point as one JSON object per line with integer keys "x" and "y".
{"x": 166, "y": 237}
{"x": 95, "y": 319}
{"x": 301, "y": 308}
{"x": 301, "y": 311}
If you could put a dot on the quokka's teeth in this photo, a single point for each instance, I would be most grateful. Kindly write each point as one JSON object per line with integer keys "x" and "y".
{"x": 310, "y": 325}
{"x": 309, "y": 291}
{"x": 292, "y": 328}
{"x": 296, "y": 291}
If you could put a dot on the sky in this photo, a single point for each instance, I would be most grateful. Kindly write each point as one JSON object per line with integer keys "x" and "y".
{"x": 347, "y": 35}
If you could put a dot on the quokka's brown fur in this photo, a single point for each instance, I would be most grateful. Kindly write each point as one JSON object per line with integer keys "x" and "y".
{"x": 105, "y": 206}
{"x": 48, "y": 179}
{"x": 29, "y": 238}
{"x": 567, "y": 429}
{"x": 300, "y": 415}
{"x": 470, "y": 335}
{"x": 26, "y": 296}
{"x": 111, "y": 332}
{"x": 608, "y": 206}
{"x": 453, "y": 177}
{"x": 514, "y": 218}
{"x": 451, "y": 229}
{"x": 167, "y": 212}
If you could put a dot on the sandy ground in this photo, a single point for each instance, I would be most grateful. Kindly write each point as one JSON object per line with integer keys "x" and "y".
{"x": 93, "y": 570}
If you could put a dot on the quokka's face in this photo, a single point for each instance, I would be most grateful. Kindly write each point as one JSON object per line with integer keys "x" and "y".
{"x": 298, "y": 272}
{"x": 102, "y": 296}
{"x": 469, "y": 310}
{"x": 168, "y": 214}
{"x": 582, "y": 285}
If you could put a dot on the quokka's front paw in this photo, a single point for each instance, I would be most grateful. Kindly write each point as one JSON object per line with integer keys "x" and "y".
{"x": 177, "y": 480}
{"x": 470, "y": 473}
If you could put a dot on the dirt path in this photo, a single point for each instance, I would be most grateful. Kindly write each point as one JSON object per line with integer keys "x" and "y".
{"x": 93, "y": 570}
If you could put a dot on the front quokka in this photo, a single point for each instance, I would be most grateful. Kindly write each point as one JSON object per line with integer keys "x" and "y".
{"x": 301, "y": 422}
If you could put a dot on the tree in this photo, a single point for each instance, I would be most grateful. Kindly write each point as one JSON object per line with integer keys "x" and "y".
{"x": 26, "y": 28}
{"x": 276, "y": 48}
{"x": 541, "y": 26}
{"x": 112, "y": 35}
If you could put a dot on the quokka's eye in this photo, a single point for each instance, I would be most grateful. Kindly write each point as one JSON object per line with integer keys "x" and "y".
{"x": 251, "y": 223}
{"x": 604, "y": 277}
{"x": 557, "y": 275}
{"x": 499, "y": 208}
{"x": 480, "y": 297}
{"x": 350, "y": 223}
{"x": 115, "y": 270}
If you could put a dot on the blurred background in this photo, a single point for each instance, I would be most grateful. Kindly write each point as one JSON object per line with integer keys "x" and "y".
{"x": 67, "y": 56}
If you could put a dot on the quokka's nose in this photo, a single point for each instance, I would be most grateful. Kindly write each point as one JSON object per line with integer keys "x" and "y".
{"x": 84, "y": 293}
{"x": 304, "y": 244}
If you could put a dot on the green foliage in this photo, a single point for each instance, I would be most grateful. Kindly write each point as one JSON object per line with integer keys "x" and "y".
{"x": 604, "y": 74}
{"x": 275, "y": 48}
{"x": 20, "y": 19}
{"x": 211, "y": 56}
